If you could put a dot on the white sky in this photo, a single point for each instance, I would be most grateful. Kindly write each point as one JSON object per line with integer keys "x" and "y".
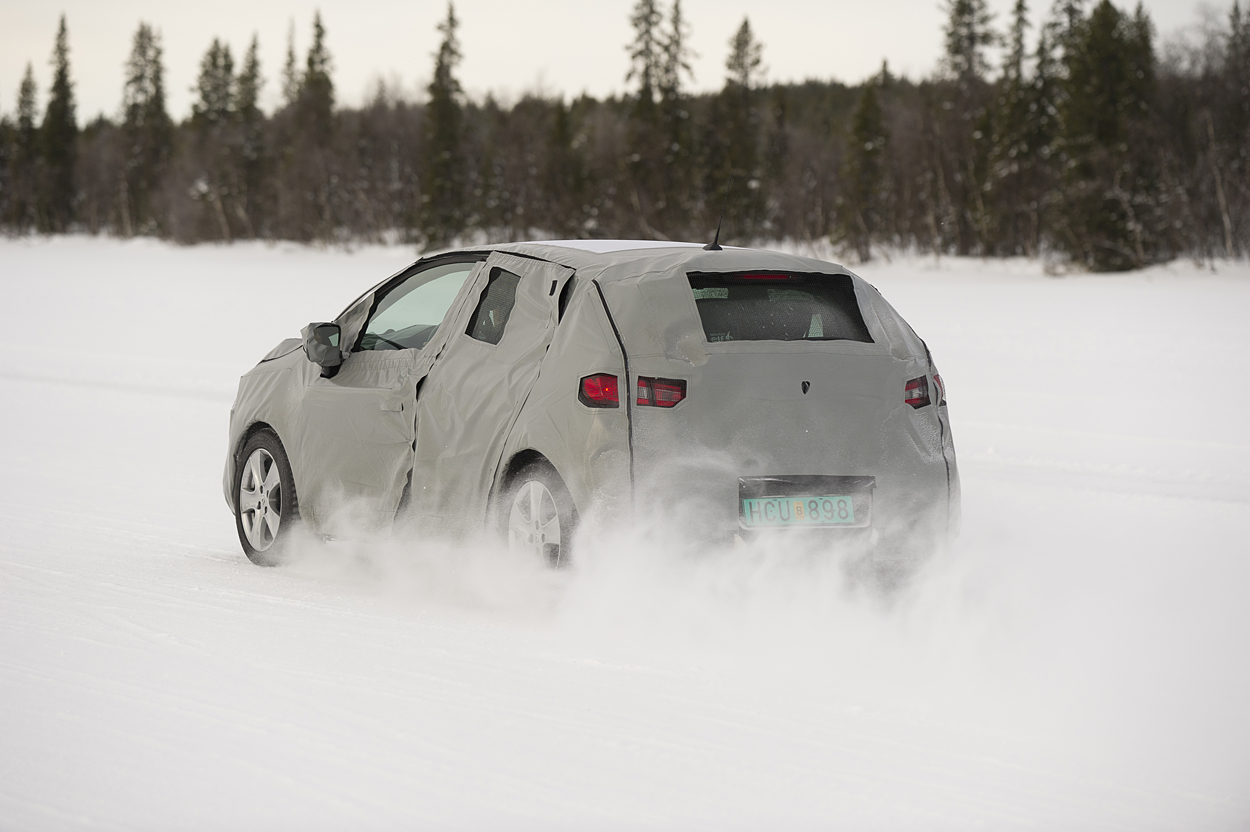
{"x": 556, "y": 46}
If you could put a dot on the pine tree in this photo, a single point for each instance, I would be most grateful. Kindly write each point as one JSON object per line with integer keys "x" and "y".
{"x": 1012, "y": 156}
{"x": 675, "y": 56}
{"x": 148, "y": 132}
{"x": 212, "y": 122}
{"x": 1237, "y": 70}
{"x": 291, "y": 80}
{"x": 443, "y": 189}
{"x": 866, "y": 189}
{"x": 60, "y": 140}
{"x": 645, "y": 131}
{"x": 7, "y": 151}
{"x": 746, "y": 58}
{"x": 1109, "y": 179}
{"x": 964, "y": 127}
{"x": 564, "y": 176}
{"x": 677, "y": 152}
{"x": 1043, "y": 159}
{"x": 1236, "y": 120}
{"x": 1065, "y": 25}
{"x": 968, "y": 35}
{"x": 215, "y": 87}
{"x": 23, "y": 162}
{"x": 251, "y": 141}
{"x": 646, "y": 53}
{"x": 735, "y": 127}
{"x": 316, "y": 92}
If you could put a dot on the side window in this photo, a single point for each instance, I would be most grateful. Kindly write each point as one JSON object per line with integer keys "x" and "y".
{"x": 494, "y": 307}
{"x": 408, "y": 315}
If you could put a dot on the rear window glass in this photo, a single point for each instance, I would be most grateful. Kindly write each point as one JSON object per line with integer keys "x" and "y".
{"x": 778, "y": 306}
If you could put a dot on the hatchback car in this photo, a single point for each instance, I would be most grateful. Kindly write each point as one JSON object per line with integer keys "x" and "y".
{"x": 521, "y": 387}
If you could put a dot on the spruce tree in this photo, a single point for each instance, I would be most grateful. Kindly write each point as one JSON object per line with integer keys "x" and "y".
{"x": 60, "y": 141}
{"x": 866, "y": 191}
{"x": 215, "y": 87}
{"x": 23, "y": 162}
{"x": 1236, "y": 120}
{"x": 675, "y": 56}
{"x": 968, "y": 35}
{"x": 645, "y": 134}
{"x": 677, "y": 152}
{"x": 316, "y": 92}
{"x": 1110, "y": 178}
{"x": 564, "y": 175}
{"x": 1043, "y": 159}
{"x": 443, "y": 188}
{"x": 148, "y": 132}
{"x": 746, "y": 58}
{"x": 290, "y": 70}
{"x": 212, "y": 122}
{"x": 251, "y": 158}
{"x": 1012, "y": 156}
{"x": 646, "y": 52}
{"x": 737, "y": 131}
{"x": 7, "y": 151}
{"x": 963, "y": 128}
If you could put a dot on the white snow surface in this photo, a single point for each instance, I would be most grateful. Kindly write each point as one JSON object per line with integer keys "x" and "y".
{"x": 1080, "y": 660}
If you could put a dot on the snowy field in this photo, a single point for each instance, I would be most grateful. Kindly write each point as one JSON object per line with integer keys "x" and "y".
{"x": 1080, "y": 661}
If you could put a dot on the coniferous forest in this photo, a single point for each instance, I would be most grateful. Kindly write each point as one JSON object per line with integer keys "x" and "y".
{"x": 1090, "y": 144}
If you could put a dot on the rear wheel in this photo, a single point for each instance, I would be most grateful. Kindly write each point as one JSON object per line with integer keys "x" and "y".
{"x": 264, "y": 499}
{"x": 540, "y": 519}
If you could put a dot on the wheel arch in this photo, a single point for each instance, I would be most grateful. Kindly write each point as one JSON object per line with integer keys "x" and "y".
{"x": 508, "y": 473}
{"x": 254, "y": 428}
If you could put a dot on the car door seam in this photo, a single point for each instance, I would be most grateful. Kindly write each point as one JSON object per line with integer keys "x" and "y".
{"x": 629, "y": 410}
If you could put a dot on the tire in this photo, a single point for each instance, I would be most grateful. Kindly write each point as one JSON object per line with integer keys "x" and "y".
{"x": 265, "y": 505}
{"x": 539, "y": 519}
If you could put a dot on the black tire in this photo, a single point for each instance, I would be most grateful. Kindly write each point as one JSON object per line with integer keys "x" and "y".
{"x": 265, "y": 507}
{"x": 536, "y": 503}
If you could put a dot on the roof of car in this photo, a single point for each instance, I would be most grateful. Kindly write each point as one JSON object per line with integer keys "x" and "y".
{"x": 615, "y": 259}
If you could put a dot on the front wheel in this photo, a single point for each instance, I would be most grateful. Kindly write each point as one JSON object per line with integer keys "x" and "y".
{"x": 540, "y": 516}
{"x": 264, "y": 499}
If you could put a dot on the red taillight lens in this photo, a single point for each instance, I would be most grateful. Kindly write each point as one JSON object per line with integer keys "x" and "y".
{"x": 941, "y": 388}
{"x": 916, "y": 393}
{"x": 660, "y": 392}
{"x": 599, "y": 390}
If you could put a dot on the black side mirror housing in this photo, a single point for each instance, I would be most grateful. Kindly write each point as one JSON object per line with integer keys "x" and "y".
{"x": 321, "y": 345}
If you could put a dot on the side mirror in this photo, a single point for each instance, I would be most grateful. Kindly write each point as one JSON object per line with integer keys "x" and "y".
{"x": 321, "y": 345}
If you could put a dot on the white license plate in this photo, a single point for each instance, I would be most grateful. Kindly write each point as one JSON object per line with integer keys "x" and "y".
{"x": 828, "y": 510}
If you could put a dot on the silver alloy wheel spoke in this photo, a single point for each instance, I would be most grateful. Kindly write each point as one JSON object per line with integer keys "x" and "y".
{"x": 528, "y": 531}
{"x": 260, "y": 500}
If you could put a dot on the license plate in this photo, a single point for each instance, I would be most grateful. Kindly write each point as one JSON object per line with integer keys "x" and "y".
{"x": 830, "y": 510}
{"x": 805, "y": 501}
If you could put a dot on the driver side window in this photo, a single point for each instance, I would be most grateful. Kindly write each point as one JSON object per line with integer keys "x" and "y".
{"x": 408, "y": 314}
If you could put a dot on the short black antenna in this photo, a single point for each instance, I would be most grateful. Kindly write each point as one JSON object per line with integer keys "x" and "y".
{"x": 715, "y": 244}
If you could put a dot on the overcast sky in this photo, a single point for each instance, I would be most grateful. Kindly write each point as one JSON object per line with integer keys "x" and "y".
{"x": 554, "y": 46}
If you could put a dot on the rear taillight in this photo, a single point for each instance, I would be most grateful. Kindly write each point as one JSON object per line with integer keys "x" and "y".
{"x": 600, "y": 390}
{"x": 660, "y": 392}
{"x": 916, "y": 393}
{"x": 941, "y": 388}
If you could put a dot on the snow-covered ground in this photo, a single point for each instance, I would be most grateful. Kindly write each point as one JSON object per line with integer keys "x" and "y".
{"x": 1081, "y": 660}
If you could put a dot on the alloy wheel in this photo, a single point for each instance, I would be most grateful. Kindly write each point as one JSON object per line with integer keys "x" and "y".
{"x": 534, "y": 522}
{"x": 260, "y": 500}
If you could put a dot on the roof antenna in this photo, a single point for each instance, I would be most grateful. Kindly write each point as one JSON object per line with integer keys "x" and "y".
{"x": 715, "y": 244}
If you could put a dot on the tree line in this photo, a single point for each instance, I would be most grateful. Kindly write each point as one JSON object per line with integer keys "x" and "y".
{"x": 1084, "y": 144}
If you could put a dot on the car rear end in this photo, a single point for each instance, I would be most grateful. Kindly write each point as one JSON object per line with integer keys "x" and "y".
{"x": 781, "y": 396}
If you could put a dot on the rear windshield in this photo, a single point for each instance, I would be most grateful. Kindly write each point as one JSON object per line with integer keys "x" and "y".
{"x": 778, "y": 306}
